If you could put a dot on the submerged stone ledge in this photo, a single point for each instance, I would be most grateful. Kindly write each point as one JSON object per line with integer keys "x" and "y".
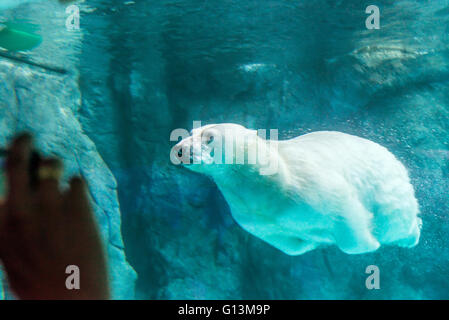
{"x": 46, "y": 105}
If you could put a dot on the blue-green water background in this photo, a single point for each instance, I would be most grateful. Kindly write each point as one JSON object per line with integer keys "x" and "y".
{"x": 144, "y": 68}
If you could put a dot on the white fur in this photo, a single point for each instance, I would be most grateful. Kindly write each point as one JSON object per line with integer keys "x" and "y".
{"x": 330, "y": 188}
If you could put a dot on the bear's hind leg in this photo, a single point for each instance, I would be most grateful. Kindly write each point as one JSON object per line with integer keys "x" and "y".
{"x": 413, "y": 238}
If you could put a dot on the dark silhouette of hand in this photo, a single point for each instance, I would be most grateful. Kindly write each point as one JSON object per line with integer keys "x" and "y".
{"x": 44, "y": 230}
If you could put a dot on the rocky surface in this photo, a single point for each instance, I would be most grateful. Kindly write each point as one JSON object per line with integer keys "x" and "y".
{"x": 47, "y": 104}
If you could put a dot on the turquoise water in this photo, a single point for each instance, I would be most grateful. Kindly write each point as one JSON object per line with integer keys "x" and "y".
{"x": 140, "y": 69}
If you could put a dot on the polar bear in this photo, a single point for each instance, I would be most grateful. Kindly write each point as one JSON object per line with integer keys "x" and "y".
{"x": 330, "y": 188}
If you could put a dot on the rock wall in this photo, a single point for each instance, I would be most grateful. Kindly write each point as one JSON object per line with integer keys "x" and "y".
{"x": 47, "y": 104}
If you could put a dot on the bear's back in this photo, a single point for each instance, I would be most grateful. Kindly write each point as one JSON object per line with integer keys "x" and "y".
{"x": 359, "y": 161}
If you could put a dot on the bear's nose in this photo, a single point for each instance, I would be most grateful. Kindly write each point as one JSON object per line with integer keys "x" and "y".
{"x": 182, "y": 152}
{"x": 179, "y": 149}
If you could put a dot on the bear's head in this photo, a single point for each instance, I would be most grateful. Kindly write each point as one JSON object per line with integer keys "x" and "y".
{"x": 212, "y": 148}
{"x": 218, "y": 149}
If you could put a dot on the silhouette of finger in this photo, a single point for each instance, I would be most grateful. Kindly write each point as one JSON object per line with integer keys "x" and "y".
{"x": 17, "y": 172}
{"x": 49, "y": 174}
{"x": 76, "y": 196}
{"x": 50, "y": 214}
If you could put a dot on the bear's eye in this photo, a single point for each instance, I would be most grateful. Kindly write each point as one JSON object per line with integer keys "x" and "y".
{"x": 211, "y": 139}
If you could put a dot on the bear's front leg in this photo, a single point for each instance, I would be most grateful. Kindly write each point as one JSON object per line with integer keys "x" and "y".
{"x": 353, "y": 233}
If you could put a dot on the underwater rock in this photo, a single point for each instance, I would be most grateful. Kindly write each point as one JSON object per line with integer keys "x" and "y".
{"x": 52, "y": 120}
{"x": 48, "y": 105}
{"x": 8, "y": 4}
{"x": 28, "y": 103}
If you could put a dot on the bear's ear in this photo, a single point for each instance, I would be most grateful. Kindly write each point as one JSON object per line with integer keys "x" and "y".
{"x": 252, "y": 132}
